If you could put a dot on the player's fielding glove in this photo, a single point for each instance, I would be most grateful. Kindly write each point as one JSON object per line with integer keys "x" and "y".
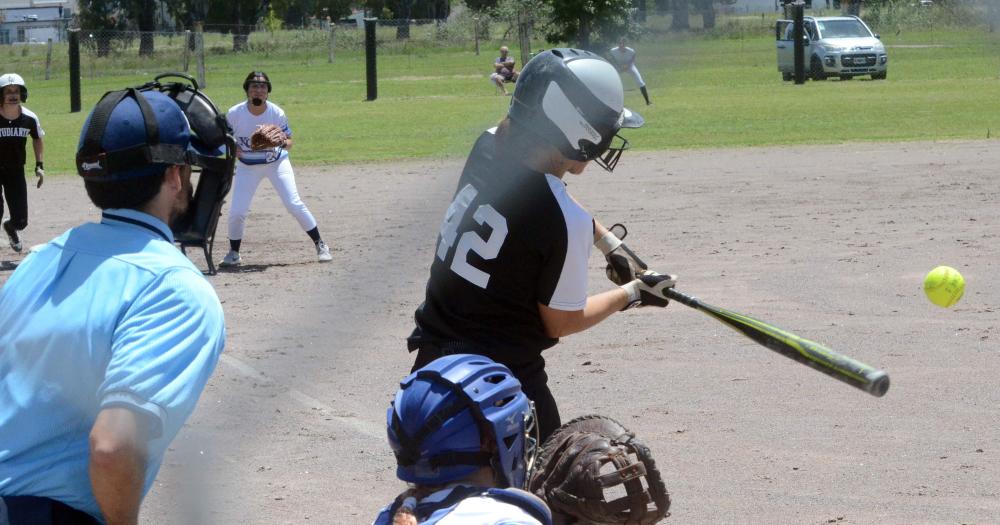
{"x": 623, "y": 265}
{"x": 40, "y": 173}
{"x": 267, "y": 136}
{"x": 650, "y": 289}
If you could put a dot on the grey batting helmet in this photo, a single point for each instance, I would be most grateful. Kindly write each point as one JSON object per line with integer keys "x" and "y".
{"x": 574, "y": 100}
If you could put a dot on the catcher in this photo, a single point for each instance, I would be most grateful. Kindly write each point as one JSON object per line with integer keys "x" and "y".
{"x": 463, "y": 435}
{"x": 585, "y": 461}
{"x": 264, "y": 138}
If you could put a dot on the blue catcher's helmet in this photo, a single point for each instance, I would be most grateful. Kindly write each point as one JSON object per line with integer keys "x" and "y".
{"x": 442, "y": 413}
{"x": 133, "y": 133}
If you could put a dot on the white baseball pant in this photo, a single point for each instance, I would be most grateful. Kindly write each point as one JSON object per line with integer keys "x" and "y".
{"x": 245, "y": 184}
{"x": 635, "y": 74}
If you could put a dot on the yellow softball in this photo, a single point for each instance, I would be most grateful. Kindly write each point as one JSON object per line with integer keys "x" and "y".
{"x": 944, "y": 286}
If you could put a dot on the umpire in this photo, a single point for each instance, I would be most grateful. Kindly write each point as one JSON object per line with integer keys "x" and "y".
{"x": 108, "y": 333}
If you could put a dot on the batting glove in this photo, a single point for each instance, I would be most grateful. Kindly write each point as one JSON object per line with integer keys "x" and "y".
{"x": 623, "y": 265}
{"x": 40, "y": 173}
{"x": 650, "y": 289}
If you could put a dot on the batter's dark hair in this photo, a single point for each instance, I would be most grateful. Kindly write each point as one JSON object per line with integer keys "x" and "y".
{"x": 129, "y": 193}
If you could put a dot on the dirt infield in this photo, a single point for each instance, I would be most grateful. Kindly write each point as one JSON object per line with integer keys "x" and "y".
{"x": 829, "y": 242}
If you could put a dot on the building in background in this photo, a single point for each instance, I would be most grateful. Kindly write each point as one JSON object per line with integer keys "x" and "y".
{"x": 34, "y": 21}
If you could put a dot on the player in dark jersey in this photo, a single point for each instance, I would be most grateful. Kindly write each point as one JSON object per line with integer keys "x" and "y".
{"x": 17, "y": 123}
{"x": 509, "y": 275}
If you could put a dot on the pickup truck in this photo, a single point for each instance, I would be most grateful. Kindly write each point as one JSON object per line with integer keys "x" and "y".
{"x": 835, "y": 46}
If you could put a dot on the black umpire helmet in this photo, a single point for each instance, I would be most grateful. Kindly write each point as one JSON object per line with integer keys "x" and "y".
{"x": 574, "y": 100}
{"x": 256, "y": 76}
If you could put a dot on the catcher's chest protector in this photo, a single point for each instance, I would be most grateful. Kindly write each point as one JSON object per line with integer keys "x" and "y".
{"x": 431, "y": 512}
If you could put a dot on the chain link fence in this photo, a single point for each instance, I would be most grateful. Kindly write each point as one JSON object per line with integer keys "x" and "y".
{"x": 404, "y": 46}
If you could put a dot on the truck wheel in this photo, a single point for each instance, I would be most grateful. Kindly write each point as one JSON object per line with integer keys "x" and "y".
{"x": 816, "y": 69}
{"x": 879, "y": 76}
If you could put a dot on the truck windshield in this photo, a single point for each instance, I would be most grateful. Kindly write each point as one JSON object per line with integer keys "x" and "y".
{"x": 843, "y": 29}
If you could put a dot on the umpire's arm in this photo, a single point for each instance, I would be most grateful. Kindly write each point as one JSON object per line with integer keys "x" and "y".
{"x": 118, "y": 464}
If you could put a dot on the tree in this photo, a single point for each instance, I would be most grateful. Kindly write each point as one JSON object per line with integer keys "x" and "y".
{"x": 101, "y": 18}
{"x": 301, "y": 12}
{"x": 238, "y": 17}
{"x": 583, "y": 21}
{"x": 681, "y": 20}
{"x": 481, "y": 5}
{"x": 143, "y": 12}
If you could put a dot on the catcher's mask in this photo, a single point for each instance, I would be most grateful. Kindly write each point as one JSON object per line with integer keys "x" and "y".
{"x": 13, "y": 79}
{"x": 438, "y": 420}
{"x": 256, "y": 76}
{"x": 592, "y": 470}
{"x": 140, "y": 131}
{"x": 574, "y": 100}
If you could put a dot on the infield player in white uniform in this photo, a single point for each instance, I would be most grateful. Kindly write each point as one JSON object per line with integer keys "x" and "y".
{"x": 623, "y": 58}
{"x": 254, "y": 166}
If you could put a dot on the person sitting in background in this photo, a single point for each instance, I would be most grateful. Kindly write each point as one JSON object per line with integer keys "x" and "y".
{"x": 503, "y": 70}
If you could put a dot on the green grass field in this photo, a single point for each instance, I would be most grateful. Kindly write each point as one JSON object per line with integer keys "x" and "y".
{"x": 708, "y": 91}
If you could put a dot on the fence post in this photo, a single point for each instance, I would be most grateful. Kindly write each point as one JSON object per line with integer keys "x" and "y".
{"x": 475, "y": 30}
{"x": 798, "y": 31}
{"x": 48, "y": 60}
{"x": 370, "y": 72}
{"x": 74, "y": 70}
{"x": 199, "y": 51}
{"x": 329, "y": 59}
{"x": 187, "y": 49}
{"x": 523, "y": 36}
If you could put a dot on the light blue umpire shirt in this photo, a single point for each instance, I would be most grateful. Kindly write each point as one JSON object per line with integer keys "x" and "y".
{"x": 108, "y": 314}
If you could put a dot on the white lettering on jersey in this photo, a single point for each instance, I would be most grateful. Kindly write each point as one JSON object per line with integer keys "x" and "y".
{"x": 14, "y": 132}
{"x": 470, "y": 241}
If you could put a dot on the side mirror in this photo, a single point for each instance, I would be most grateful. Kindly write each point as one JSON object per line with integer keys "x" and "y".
{"x": 878, "y": 36}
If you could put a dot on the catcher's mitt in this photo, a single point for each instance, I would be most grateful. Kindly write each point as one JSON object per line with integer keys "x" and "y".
{"x": 267, "y": 136}
{"x": 580, "y": 468}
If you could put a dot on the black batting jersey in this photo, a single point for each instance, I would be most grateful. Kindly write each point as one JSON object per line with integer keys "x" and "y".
{"x": 511, "y": 239}
{"x": 14, "y": 136}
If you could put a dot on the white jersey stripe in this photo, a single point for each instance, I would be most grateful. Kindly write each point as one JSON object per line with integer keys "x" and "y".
{"x": 571, "y": 290}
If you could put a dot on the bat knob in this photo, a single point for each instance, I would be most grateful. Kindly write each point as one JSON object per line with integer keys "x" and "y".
{"x": 878, "y": 383}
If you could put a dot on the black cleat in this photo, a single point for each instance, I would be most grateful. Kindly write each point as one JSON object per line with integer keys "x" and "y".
{"x": 15, "y": 241}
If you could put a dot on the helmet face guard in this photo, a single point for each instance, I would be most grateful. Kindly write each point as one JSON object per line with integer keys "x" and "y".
{"x": 612, "y": 153}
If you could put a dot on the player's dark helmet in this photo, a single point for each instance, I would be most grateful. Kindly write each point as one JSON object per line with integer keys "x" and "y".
{"x": 574, "y": 100}
{"x": 442, "y": 412}
{"x": 13, "y": 79}
{"x": 256, "y": 76}
{"x": 132, "y": 133}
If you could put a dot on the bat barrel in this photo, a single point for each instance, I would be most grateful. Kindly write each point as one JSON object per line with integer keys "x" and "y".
{"x": 804, "y": 351}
